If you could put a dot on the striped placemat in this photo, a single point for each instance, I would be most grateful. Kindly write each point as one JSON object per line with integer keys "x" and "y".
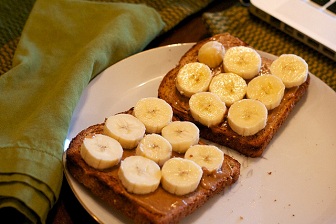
{"x": 239, "y": 22}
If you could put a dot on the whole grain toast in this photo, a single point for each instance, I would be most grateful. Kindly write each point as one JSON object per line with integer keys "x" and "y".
{"x": 157, "y": 207}
{"x": 222, "y": 134}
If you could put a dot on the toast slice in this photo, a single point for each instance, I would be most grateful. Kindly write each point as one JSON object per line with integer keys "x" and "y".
{"x": 157, "y": 207}
{"x": 252, "y": 146}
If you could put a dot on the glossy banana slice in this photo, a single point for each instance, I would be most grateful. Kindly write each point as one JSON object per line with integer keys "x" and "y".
{"x": 291, "y": 69}
{"x": 247, "y": 117}
{"x": 192, "y": 78}
{"x": 155, "y": 147}
{"x": 211, "y": 53}
{"x": 243, "y": 61}
{"x": 207, "y": 108}
{"x": 229, "y": 87}
{"x": 180, "y": 176}
{"x": 154, "y": 113}
{"x": 101, "y": 151}
{"x": 126, "y": 129}
{"x": 268, "y": 89}
{"x": 207, "y": 156}
{"x": 181, "y": 135}
{"x": 139, "y": 175}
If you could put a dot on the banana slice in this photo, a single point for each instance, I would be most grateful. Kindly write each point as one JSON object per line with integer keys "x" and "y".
{"x": 243, "y": 61}
{"x": 154, "y": 113}
{"x": 211, "y": 53}
{"x": 229, "y": 87}
{"x": 291, "y": 69}
{"x": 139, "y": 175}
{"x": 101, "y": 151}
{"x": 180, "y": 176}
{"x": 126, "y": 129}
{"x": 155, "y": 147}
{"x": 207, "y": 156}
{"x": 268, "y": 89}
{"x": 192, "y": 78}
{"x": 181, "y": 135}
{"x": 207, "y": 108}
{"x": 247, "y": 116}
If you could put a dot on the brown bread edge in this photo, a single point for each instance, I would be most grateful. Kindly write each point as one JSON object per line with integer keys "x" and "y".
{"x": 117, "y": 198}
{"x": 252, "y": 146}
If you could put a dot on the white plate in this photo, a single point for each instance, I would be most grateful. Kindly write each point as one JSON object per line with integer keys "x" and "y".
{"x": 294, "y": 181}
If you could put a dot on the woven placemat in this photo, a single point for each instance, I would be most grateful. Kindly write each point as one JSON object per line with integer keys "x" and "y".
{"x": 13, "y": 15}
{"x": 239, "y": 22}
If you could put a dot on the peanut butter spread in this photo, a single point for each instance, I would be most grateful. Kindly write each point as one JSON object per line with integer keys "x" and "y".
{"x": 160, "y": 201}
{"x": 222, "y": 134}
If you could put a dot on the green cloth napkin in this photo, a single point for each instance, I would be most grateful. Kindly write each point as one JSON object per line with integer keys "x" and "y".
{"x": 13, "y": 15}
{"x": 64, "y": 44}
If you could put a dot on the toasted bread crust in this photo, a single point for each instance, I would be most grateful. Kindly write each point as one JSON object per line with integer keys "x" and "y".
{"x": 151, "y": 208}
{"x": 252, "y": 146}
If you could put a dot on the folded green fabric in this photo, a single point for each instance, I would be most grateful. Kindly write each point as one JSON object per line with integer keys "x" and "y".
{"x": 64, "y": 44}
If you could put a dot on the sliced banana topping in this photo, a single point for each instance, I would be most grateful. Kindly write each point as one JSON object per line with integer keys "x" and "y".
{"x": 207, "y": 156}
{"x": 211, "y": 53}
{"x": 139, "y": 175}
{"x": 243, "y": 61}
{"x": 291, "y": 69}
{"x": 192, "y": 78}
{"x": 155, "y": 147}
{"x": 268, "y": 89}
{"x": 154, "y": 113}
{"x": 126, "y": 129}
{"x": 229, "y": 87}
{"x": 180, "y": 176}
{"x": 247, "y": 116}
{"x": 207, "y": 108}
{"x": 181, "y": 135}
{"x": 101, "y": 151}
